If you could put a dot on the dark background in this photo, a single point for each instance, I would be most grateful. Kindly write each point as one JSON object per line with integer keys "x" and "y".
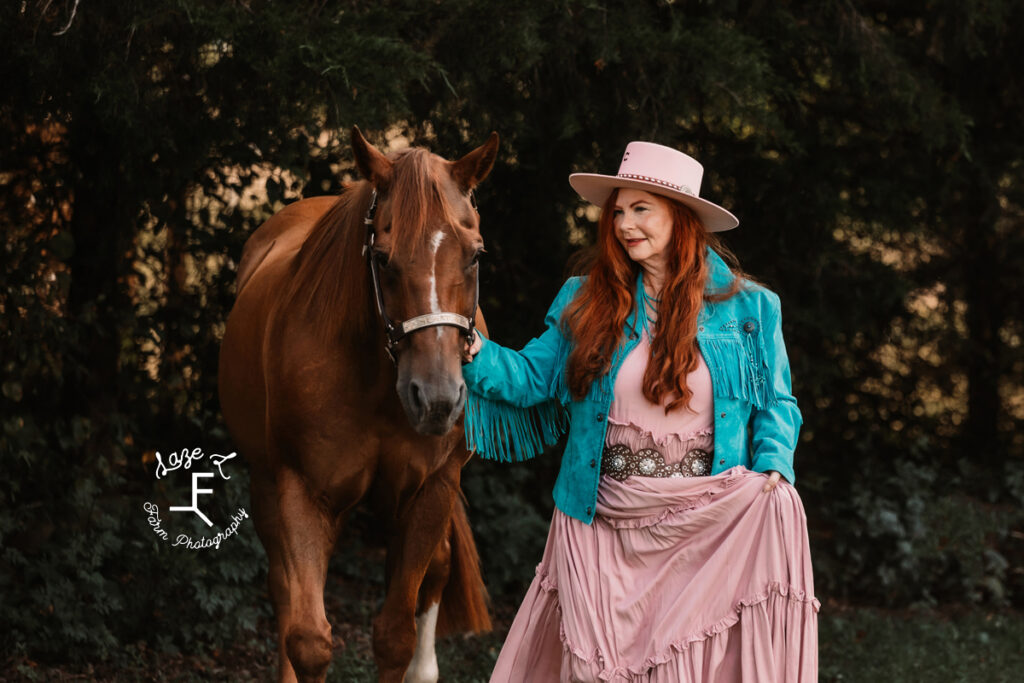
{"x": 872, "y": 150}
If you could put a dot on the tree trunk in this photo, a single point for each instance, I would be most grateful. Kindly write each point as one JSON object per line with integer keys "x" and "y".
{"x": 985, "y": 317}
{"x": 100, "y": 221}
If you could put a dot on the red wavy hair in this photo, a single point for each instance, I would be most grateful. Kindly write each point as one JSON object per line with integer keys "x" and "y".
{"x": 596, "y": 318}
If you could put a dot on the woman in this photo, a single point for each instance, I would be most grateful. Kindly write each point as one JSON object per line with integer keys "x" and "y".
{"x": 678, "y": 548}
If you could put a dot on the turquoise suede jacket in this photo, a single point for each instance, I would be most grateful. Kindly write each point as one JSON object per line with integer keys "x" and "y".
{"x": 518, "y": 401}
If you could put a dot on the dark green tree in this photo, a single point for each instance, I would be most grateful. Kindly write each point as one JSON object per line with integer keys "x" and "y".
{"x": 870, "y": 149}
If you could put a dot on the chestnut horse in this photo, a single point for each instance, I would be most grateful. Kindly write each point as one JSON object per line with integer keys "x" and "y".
{"x": 335, "y": 400}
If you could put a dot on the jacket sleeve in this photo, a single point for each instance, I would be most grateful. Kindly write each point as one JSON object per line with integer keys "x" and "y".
{"x": 526, "y": 377}
{"x": 777, "y": 425}
{"x": 510, "y": 412}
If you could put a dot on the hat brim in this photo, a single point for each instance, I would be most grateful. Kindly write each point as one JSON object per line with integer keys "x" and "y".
{"x": 596, "y": 189}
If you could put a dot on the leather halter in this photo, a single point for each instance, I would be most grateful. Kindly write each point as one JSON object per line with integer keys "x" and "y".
{"x": 398, "y": 331}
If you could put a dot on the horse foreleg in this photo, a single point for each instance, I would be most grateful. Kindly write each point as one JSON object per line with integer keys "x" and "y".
{"x": 403, "y": 636}
{"x": 423, "y": 667}
{"x": 298, "y": 535}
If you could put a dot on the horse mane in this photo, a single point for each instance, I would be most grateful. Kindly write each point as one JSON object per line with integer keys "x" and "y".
{"x": 330, "y": 280}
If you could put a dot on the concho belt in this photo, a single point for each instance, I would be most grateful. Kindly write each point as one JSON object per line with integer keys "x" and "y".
{"x": 619, "y": 462}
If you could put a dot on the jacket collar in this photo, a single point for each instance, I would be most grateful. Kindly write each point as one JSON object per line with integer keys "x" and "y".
{"x": 719, "y": 277}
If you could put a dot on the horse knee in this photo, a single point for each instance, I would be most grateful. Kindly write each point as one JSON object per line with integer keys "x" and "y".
{"x": 309, "y": 650}
{"x": 440, "y": 564}
{"x": 393, "y": 644}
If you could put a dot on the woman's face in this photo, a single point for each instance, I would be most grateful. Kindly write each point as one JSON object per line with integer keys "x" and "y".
{"x": 643, "y": 226}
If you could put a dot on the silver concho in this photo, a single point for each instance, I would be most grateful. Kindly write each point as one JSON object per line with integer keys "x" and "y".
{"x": 619, "y": 462}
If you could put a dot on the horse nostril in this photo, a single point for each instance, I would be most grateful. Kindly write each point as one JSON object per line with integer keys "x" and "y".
{"x": 416, "y": 397}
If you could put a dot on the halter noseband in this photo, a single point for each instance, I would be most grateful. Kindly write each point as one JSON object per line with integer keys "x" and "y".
{"x": 398, "y": 331}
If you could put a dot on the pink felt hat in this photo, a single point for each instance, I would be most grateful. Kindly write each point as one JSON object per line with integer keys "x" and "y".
{"x": 659, "y": 170}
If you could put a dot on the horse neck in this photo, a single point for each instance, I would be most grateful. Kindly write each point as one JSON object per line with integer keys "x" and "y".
{"x": 330, "y": 283}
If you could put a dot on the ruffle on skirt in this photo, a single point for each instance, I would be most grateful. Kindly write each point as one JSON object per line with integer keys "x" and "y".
{"x": 677, "y": 580}
{"x": 672, "y": 446}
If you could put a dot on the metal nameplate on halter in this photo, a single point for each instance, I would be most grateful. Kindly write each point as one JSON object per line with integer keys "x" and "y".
{"x": 431, "y": 319}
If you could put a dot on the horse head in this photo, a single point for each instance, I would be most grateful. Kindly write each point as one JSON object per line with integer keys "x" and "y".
{"x": 423, "y": 247}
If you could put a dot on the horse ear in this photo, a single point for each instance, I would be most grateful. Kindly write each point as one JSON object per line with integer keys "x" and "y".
{"x": 373, "y": 165}
{"x": 471, "y": 169}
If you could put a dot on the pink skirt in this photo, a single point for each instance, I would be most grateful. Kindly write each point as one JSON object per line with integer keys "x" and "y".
{"x": 677, "y": 579}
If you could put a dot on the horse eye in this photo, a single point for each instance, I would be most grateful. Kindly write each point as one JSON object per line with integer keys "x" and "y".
{"x": 476, "y": 258}
{"x": 380, "y": 258}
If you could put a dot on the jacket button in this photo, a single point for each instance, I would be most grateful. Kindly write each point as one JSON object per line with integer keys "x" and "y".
{"x": 748, "y": 326}
{"x": 600, "y": 417}
{"x": 593, "y": 464}
{"x": 723, "y": 414}
{"x": 722, "y": 461}
{"x": 589, "y": 510}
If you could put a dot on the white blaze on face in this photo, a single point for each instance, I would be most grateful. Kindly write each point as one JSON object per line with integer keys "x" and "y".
{"x": 423, "y": 667}
{"x": 435, "y": 307}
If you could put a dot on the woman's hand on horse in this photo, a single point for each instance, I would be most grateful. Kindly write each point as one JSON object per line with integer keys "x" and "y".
{"x": 773, "y": 480}
{"x": 467, "y": 356}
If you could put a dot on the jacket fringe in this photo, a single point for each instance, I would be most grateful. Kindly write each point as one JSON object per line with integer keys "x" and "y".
{"x": 740, "y": 370}
{"x": 501, "y": 431}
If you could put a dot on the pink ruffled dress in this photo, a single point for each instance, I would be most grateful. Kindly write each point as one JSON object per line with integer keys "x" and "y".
{"x": 687, "y": 579}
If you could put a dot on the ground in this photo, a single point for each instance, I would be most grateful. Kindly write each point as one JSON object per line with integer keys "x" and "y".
{"x": 857, "y": 644}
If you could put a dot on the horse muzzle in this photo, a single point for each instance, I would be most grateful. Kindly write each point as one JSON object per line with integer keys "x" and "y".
{"x": 432, "y": 403}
